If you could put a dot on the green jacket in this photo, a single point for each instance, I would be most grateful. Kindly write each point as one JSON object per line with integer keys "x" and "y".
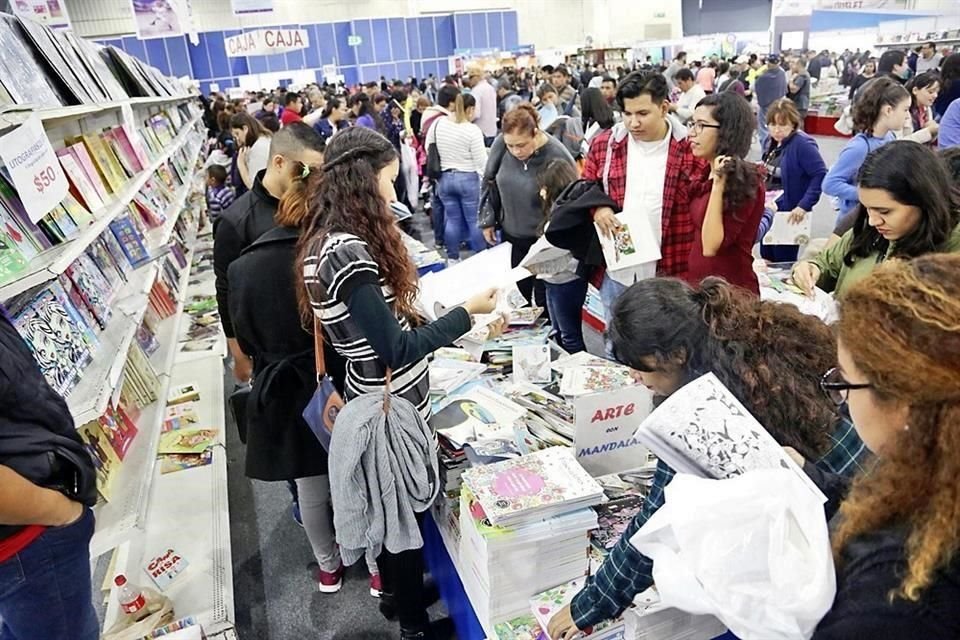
{"x": 837, "y": 277}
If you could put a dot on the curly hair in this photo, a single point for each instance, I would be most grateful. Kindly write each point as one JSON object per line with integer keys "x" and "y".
{"x": 880, "y": 92}
{"x": 344, "y": 197}
{"x": 913, "y": 175}
{"x": 902, "y": 319}
{"x": 769, "y": 355}
{"x": 737, "y": 123}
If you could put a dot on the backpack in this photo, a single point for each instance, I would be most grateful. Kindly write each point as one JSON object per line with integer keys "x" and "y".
{"x": 569, "y": 131}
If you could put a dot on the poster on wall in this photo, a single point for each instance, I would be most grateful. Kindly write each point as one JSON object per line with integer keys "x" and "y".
{"x": 52, "y": 13}
{"x": 157, "y": 18}
{"x": 251, "y": 7}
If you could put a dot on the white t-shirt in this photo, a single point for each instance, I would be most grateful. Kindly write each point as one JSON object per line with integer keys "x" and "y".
{"x": 643, "y": 200}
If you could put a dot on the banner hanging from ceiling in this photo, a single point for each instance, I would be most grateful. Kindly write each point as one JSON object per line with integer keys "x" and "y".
{"x": 52, "y": 13}
{"x": 251, "y": 7}
{"x": 260, "y": 42}
{"x": 158, "y": 18}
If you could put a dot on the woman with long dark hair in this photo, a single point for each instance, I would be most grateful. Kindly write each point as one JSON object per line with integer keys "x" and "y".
{"x": 253, "y": 147}
{"x": 906, "y": 209}
{"x": 363, "y": 113}
{"x": 597, "y": 115}
{"x": 333, "y": 118}
{"x": 359, "y": 281}
{"x": 769, "y": 355}
{"x": 950, "y": 84}
{"x": 727, "y": 204}
{"x": 923, "y": 90}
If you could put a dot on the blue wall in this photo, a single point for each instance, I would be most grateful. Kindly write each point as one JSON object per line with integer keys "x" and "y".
{"x": 835, "y": 20}
{"x": 391, "y": 47}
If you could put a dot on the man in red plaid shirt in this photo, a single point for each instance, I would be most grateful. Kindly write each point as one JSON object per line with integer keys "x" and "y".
{"x": 644, "y": 164}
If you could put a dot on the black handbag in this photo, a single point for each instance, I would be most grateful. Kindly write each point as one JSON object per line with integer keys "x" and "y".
{"x": 434, "y": 170}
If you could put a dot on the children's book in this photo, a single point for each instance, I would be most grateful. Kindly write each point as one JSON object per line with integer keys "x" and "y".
{"x": 187, "y": 440}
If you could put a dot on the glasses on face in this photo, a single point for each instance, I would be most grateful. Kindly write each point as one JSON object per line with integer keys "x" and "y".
{"x": 838, "y": 389}
{"x": 697, "y": 127}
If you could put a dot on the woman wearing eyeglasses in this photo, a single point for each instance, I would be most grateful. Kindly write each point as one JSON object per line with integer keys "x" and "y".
{"x": 726, "y": 205}
{"x": 897, "y": 535}
{"x": 906, "y": 210}
{"x": 769, "y": 355}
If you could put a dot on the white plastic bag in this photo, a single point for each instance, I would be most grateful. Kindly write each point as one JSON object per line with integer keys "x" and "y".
{"x": 754, "y": 551}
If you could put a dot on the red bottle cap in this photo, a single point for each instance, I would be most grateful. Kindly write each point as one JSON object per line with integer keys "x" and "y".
{"x": 120, "y": 580}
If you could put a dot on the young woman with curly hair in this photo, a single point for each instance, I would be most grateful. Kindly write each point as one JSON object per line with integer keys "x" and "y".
{"x": 769, "y": 355}
{"x": 898, "y": 530}
{"x": 906, "y": 210}
{"x": 727, "y": 204}
{"x": 359, "y": 282}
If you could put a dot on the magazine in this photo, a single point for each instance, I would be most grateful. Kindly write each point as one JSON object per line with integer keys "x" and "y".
{"x": 531, "y": 363}
{"x": 187, "y": 441}
{"x": 578, "y": 381}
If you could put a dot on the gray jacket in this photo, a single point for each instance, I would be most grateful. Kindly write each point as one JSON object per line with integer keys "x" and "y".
{"x": 379, "y": 482}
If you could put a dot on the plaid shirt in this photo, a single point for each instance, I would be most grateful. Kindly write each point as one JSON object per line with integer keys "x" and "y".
{"x": 676, "y": 223}
{"x": 627, "y": 573}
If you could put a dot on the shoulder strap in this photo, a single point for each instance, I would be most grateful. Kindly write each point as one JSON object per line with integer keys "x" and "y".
{"x": 607, "y": 160}
{"x": 318, "y": 348}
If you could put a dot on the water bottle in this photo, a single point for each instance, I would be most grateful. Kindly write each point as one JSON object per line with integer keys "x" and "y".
{"x": 130, "y": 597}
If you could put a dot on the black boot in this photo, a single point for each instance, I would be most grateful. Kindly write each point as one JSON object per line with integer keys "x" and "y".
{"x": 388, "y": 606}
{"x": 442, "y": 629}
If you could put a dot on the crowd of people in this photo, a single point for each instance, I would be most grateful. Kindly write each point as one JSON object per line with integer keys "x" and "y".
{"x": 313, "y": 277}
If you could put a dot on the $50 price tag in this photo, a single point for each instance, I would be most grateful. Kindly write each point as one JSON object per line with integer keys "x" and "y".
{"x": 34, "y": 168}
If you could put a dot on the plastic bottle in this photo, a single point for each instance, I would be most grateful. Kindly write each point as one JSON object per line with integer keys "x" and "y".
{"x": 131, "y": 598}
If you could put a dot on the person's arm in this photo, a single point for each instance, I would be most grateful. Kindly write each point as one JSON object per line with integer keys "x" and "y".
{"x": 840, "y": 179}
{"x": 394, "y": 346}
{"x": 226, "y": 249}
{"x": 833, "y": 485}
{"x": 24, "y": 503}
{"x": 626, "y": 572}
{"x": 765, "y": 223}
{"x": 830, "y": 262}
{"x": 313, "y": 117}
{"x": 815, "y": 168}
{"x": 949, "y": 134}
{"x": 711, "y": 232}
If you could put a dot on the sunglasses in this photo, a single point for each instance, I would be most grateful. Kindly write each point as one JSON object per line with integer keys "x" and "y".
{"x": 838, "y": 389}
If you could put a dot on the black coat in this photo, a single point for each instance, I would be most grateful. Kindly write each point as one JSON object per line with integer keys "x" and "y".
{"x": 571, "y": 223}
{"x": 38, "y": 439}
{"x": 263, "y": 304}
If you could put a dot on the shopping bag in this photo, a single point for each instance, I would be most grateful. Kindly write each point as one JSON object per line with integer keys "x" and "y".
{"x": 320, "y": 414}
{"x": 753, "y": 550}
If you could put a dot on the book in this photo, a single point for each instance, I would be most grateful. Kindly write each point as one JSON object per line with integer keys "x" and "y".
{"x": 181, "y": 416}
{"x": 183, "y": 393}
{"x": 10, "y": 201}
{"x": 631, "y": 245}
{"x": 119, "y": 432}
{"x": 80, "y": 216}
{"x": 187, "y": 440}
{"x": 100, "y": 155}
{"x": 546, "y": 604}
{"x": 543, "y": 483}
{"x": 531, "y": 363}
{"x": 131, "y": 240}
{"x": 56, "y": 342}
{"x": 64, "y": 223}
{"x": 101, "y": 256}
{"x": 478, "y": 414}
{"x": 84, "y": 323}
{"x": 77, "y": 163}
{"x": 446, "y": 376}
{"x": 173, "y": 462}
{"x": 704, "y": 430}
{"x": 782, "y": 231}
{"x": 578, "y": 381}
{"x": 164, "y": 567}
{"x": 12, "y": 260}
{"x": 76, "y": 300}
{"x": 18, "y": 238}
{"x": 116, "y": 137}
{"x": 524, "y": 627}
{"x": 93, "y": 288}
{"x": 105, "y": 460}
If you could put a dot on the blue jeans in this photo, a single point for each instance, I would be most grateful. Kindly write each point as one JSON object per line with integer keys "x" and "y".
{"x": 436, "y": 215}
{"x": 565, "y": 305}
{"x": 459, "y": 192}
{"x": 762, "y": 125}
{"x": 46, "y": 591}
{"x": 610, "y": 290}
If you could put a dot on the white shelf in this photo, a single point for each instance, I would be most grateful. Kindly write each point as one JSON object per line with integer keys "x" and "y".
{"x": 88, "y": 400}
{"x": 80, "y": 110}
{"x": 188, "y": 511}
{"x": 53, "y": 262}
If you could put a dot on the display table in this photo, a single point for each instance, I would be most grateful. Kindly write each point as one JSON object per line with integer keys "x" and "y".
{"x": 444, "y": 573}
{"x": 822, "y": 125}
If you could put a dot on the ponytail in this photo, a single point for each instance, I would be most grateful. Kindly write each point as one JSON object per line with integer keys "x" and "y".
{"x": 460, "y": 113}
{"x": 293, "y": 207}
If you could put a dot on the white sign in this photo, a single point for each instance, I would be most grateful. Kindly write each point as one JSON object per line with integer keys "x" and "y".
{"x": 605, "y": 424}
{"x": 354, "y": 41}
{"x": 330, "y": 73}
{"x": 266, "y": 41}
{"x": 52, "y": 13}
{"x": 214, "y": 87}
{"x": 250, "y": 7}
{"x": 34, "y": 169}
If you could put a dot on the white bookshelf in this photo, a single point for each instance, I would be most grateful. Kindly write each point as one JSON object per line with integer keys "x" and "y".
{"x": 51, "y": 263}
{"x": 80, "y": 110}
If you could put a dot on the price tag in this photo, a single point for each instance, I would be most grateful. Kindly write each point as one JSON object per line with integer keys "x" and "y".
{"x": 34, "y": 168}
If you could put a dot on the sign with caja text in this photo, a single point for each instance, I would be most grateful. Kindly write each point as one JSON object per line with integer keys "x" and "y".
{"x": 261, "y": 42}
{"x": 34, "y": 169}
{"x": 605, "y": 424}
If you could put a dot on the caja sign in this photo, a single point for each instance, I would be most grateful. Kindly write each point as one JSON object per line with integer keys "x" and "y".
{"x": 261, "y": 42}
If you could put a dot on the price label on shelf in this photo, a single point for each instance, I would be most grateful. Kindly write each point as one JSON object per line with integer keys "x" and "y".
{"x": 34, "y": 169}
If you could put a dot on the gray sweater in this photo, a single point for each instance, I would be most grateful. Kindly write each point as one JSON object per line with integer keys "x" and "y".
{"x": 770, "y": 86}
{"x": 519, "y": 189}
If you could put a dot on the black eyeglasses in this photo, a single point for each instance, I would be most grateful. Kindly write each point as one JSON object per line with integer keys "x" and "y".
{"x": 838, "y": 389}
{"x": 697, "y": 127}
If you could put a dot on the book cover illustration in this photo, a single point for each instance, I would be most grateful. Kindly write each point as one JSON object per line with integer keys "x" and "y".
{"x": 131, "y": 240}
{"x": 523, "y": 627}
{"x": 173, "y": 462}
{"x": 614, "y": 517}
{"x": 629, "y": 246}
{"x": 512, "y": 488}
{"x": 79, "y": 152}
{"x": 11, "y": 202}
{"x": 531, "y": 363}
{"x": 59, "y": 216}
{"x": 703, "y": 429}
{"x": 78, "y": 213}
{"x": 57, "y": 344}
{"x": 105, "y": 460}
{"x": 478, "y": 414}
{"x": 12, "y": 261}
{"x": 578, "y": 381}
{"x": 545, "y": 605}
{"x": 181, "y": 416}
{"x": 19, "y": 239}
{"x": 187, "y": 440}
{"x": 81, "y": 321}
{"x": 119, "y": 431}
{"x": 93, "y": 288}
{"x": 81, "y": 183}
{"x": 163, "y": 568}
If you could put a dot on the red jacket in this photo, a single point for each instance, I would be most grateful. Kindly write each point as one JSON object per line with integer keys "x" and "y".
{"x": 677, "y": 224}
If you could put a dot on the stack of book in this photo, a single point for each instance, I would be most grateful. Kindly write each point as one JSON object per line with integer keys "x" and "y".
{"x": 547, "y": 603}
{"x": 648, "y": 619}
{"x": 524, "y": 527}
{"x": 550, "y": 420}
